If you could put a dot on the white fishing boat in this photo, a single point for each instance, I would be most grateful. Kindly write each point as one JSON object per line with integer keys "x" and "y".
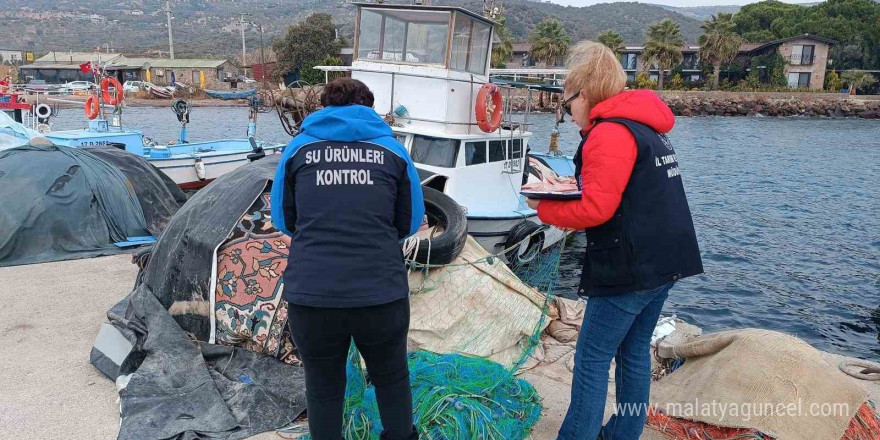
{"x": 428, "y": 67}
{"x": 189, "y": 164}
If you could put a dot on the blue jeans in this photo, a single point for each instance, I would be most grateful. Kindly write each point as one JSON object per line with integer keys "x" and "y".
{"x": 618, "y": 327}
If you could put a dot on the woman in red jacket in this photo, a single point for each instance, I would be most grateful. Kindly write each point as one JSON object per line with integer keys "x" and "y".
{"x": 639, "y": 233}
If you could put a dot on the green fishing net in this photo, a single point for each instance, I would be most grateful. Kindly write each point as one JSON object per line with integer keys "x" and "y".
{"x": 458, "y": 397}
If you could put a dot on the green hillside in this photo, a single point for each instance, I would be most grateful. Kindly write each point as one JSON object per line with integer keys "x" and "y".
{"x": 210, "y": 27}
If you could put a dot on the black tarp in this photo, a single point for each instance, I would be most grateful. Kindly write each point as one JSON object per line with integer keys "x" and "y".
{"x": 181, "y": 262}
{"x": 171, "y": 386}
{"x": 59, "y": 203}
{"x": 159, "y": 196}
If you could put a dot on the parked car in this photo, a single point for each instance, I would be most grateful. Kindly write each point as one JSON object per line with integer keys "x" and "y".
{"x": 135, "y": 86}
{"x": 246, "y": 80}
{"x": 77, "y": 86}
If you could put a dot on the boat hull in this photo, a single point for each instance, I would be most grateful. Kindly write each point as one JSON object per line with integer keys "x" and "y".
{"x": 183, "y": 171}
{"x": 492, "y": 232}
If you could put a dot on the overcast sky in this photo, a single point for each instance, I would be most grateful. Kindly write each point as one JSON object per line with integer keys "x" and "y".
{"x": 675, "y": 2}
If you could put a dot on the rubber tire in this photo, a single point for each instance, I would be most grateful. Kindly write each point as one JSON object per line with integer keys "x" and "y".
{"x": 518, "y": 234}
{"x": 444, "y": 248}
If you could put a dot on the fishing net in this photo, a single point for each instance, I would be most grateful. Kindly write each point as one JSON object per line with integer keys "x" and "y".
{"x": 865, "y": 425}
{"x": 459, "y": 391}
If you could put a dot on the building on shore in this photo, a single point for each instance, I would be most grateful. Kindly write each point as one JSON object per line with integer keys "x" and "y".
{"x": 61, "y": 67}
{"x": 805, "y": 56}
{"x": 15, "y": 56}
{"x": 205, "y": 73}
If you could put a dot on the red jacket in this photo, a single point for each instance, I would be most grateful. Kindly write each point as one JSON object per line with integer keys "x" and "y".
{"x": 608, "y": 158}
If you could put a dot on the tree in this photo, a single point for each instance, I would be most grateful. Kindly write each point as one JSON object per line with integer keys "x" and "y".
{"x": 719, "y": 44}
{"x": 305, "y": 44}
{"x": 753, "y": 21}
{"x": 504, "y": 49}
{"x": 549, "y": 41}
{"x": 663, "y": 47}
{"x": 857, "y": 79}
{"x": 611, "y": 40}
{"x": 832, "y": 82}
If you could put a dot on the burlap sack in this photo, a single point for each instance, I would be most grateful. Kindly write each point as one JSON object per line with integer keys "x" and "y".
{"x": 754, "y": 370}
{"x": 478, "y": 310}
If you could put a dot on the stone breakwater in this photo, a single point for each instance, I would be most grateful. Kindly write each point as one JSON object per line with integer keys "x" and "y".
{"x": 833, "y": 105}
{"x": 772, "y": 104}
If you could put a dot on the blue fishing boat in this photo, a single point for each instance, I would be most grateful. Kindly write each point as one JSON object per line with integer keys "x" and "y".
{"x": 243, "y": 94}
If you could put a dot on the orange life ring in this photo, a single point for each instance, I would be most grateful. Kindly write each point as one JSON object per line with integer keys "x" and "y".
{"x": 92, "y": 107}
{"x": 489, "y": 114}
{"x": 105, "y": 91}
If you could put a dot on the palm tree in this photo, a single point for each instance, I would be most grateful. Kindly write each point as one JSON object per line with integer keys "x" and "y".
{"x": 504, "y": 49}
{"x": 856, "y": 79}
{"x": 663, "y": 47}
{"x": 549, "y": 41}
{"x": 612, "y": 41}
{"x": 549, "y": 44}
{"x": 719, "y": 43}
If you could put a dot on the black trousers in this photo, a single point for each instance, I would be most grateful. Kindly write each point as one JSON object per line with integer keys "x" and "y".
{"x": 322, "y": 337}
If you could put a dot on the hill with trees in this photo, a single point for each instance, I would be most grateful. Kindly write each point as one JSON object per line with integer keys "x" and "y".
{"x": 854, "y": 24}
{"x": 211, "y": 27}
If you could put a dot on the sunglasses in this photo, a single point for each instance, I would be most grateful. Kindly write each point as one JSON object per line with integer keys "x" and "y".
{"x": 566, "y": 105}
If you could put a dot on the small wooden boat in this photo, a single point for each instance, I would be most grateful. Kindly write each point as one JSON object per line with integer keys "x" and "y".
{"x": 231, "y": 95}
{"x": 160, "y": 92}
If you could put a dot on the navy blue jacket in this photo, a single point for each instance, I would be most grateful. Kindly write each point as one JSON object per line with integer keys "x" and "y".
{"x": 346, "y": 192}
{"x": 650, "y": 239}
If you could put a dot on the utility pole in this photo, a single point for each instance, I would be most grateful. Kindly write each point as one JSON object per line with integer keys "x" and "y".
{"x": 262, "y": 51}
{"x": 170, "y": 37}
{"x": 243, "y": 49}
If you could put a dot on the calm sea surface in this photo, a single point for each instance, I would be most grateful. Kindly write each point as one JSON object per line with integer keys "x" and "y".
{"x": 787, "y": 212}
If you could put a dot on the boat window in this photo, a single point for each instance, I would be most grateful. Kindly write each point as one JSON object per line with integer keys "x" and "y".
{"x": 496, "y": 150}
{"x": 370, "y": 34}
{"x": 409, "y": 36}
{"x": 426, "y": 41}
{"x": 461, "y": 40}
{"x": 438, "y": 152}
{"x": 475, "y": 153}
{"x": 394, "y": 38}
{"x": 479, "y": 48}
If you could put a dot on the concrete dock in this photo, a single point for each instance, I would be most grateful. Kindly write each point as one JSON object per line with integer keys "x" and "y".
{"x": 50, "y": 315}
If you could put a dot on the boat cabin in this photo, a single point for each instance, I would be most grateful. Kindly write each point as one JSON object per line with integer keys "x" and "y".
{"x": 426, "y": 66}
{"x": 15, "y": 106}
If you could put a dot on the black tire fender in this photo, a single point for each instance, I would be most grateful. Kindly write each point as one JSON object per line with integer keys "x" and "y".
{"x": 442, "y": 211}
{"x": 524, "y": 242}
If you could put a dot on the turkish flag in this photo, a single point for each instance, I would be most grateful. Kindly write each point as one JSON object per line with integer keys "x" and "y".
{"x": 4, "y": 81}
{"x": 85, "y": 67}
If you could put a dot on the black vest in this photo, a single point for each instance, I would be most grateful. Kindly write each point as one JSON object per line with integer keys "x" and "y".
{"x": 650, "y": 240}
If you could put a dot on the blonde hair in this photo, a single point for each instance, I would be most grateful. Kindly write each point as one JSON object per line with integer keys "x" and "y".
{"x": 595, "y": 71}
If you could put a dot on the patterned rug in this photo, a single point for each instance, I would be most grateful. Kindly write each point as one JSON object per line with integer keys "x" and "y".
{"x": 248, "y": 309}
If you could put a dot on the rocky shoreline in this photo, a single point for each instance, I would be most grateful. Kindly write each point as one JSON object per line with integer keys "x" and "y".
{"x": 804, "y": 104}
{"x": 772, "y": 104}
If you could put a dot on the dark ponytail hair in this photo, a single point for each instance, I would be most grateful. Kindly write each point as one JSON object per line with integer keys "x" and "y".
{"x": 346, "y": 91}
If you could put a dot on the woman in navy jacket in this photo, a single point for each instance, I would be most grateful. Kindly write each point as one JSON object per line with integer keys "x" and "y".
{"x": 347, "y": 192}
